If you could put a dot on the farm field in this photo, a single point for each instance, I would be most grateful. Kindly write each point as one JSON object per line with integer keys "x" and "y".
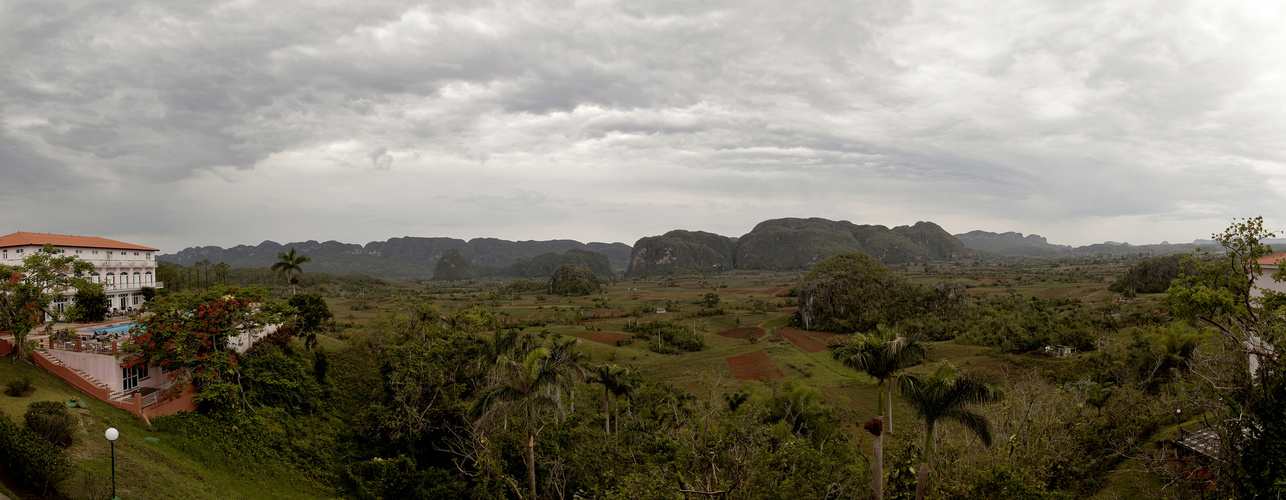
{"x": 753, "y": 330}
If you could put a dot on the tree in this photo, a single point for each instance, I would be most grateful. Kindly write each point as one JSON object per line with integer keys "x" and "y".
{"x": 709, "y": 300}
{"x": 881, "y": 355}
{"x": 950, "y": 395}
{"x": 187, "y": 336}
{"x": 854, "y": 292}
{"x": 290, "y": 265}
{"x": 1247, "y": 388}
{"x": 26, "y": 294}
{"x": 92, "y": 304}
{"x": 616, "y": 383}
{"x": 526, "y": 388}
{"x": 310, "y": 316}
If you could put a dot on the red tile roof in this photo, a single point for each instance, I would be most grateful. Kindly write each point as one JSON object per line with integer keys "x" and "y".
{"x": 1272, "y": 260}
{"x": 21, "y": 239}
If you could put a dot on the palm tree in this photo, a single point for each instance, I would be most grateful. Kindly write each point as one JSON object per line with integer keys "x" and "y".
{"x": 528, "y": 389}
{"x": 289, "y": 264}
{"x": 950, "y": 395}
{"x": 616, "y": 383}
{"x": 881, "y": 355}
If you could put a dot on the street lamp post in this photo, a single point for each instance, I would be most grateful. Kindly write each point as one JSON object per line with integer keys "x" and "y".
{"x": 1178, "y": 419}
{"x": 111, "y": 436}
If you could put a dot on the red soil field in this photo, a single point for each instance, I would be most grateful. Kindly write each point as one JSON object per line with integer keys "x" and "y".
{"x": 802, "y": 340}
{"x": 823, "y": 337}
{"x": 603, "y": 338}
{"x": 754, "y": 365}
{"x": 740, "y": 333}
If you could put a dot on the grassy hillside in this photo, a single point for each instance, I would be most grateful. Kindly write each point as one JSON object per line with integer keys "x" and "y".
{"x": 176, "y": 464}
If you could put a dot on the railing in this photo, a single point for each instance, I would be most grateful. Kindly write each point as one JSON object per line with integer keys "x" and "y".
{"x": 150, "y": 399}
{"x": 90, "y": 347}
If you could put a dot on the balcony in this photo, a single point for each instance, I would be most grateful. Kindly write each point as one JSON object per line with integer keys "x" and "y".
{"x": 131, "y": 287}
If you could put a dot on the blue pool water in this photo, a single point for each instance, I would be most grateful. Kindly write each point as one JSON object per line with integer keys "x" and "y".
{"x": 113, "y": 329}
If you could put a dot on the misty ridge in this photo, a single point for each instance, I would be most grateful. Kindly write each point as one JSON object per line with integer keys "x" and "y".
{"x": 777, "y": 244}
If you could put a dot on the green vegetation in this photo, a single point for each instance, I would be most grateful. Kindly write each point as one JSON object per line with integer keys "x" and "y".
{"x": 1152, "y": 275}
{"x": 91, "y": 305}
{"x": 490, "y": 388}
{"x": 290, "y": 265}
{"x": 570, "y": 280}
{"x": 26, "y": 292}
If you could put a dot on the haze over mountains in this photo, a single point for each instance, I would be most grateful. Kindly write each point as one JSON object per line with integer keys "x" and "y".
{"x": 778, "y": 244}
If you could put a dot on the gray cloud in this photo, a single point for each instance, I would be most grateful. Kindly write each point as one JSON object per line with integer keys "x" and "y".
{"x": 599, "y": 121}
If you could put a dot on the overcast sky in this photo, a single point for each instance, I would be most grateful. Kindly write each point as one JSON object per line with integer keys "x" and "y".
{"x": 185, "y": 123}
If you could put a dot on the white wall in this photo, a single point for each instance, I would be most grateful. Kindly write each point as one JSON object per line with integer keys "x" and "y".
{"x": 106, "y": 369}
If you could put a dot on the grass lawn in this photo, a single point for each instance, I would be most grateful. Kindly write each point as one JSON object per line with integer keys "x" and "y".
{"x": 172, "y": 467}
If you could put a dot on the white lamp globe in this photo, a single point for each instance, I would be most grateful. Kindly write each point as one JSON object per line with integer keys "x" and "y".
{"x": 112, "y": 434}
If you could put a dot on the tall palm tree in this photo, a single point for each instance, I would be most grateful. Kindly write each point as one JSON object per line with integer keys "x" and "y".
{"x": 616, "y": 383}
{"x": 290, "y": 265}
{"x": 881, "y": 355}
{"x": 950, "y": 395}
{"x": 526, "y": 389}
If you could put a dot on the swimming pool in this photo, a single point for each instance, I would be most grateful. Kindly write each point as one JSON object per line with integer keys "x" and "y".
{"x": 113, "y": 329}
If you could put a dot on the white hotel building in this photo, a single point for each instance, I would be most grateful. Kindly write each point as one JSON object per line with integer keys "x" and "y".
{"x": 125, "y": 268}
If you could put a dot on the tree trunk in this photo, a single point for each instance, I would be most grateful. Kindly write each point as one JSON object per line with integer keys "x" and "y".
{"x": 531, "y": 465}
{"x": 888, "y": 421}
{"x": 922, "y": 483}
{"x": 877, "y": 469}
{"x": 607, "y": 414}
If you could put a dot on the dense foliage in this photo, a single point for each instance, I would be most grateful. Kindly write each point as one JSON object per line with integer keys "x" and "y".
{"x": 30, "y": 458}
{"x": 1152, "y": 275}
{"x": 571, "y": 280}
{"x": 91, "y": 305}
{"x": 191, "y": 337}
{"x": 853, "y": 292}
{"x": 28, "y": 290}
{"x": 665, "y": 337}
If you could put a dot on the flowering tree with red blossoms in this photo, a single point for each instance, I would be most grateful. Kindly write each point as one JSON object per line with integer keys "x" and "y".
{"x": 188, "y": 334}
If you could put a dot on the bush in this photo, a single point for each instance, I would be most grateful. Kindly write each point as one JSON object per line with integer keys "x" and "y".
{"x": 31, "y": 459}
{"x": 52, "y": 421}
{"x": 667, "y": 338}
{"x": 18, "y": 386}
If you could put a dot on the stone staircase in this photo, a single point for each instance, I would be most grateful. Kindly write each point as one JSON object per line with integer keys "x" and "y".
{"x": 114, "y": 395}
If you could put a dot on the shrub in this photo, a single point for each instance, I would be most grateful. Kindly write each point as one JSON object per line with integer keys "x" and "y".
{"x": 52, "y": 421}
{"x": 18, "y": 386}
{"x": 28, "y": 457}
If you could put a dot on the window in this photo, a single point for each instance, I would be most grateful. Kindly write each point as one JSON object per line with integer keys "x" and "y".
{"x": 77, "y": 250}
{"x": 18, "y": 251}
{"x": 131, "y": 376}
{"x": 95, "y": 252}
{"x": 136, "y": 254}
{"x": 122, "y": 253}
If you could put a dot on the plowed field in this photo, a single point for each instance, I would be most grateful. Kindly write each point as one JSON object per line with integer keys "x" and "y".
{"x": 740, "y": 333}
{"x": 802, "y": 340}
{"x": 754, "y": 365}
